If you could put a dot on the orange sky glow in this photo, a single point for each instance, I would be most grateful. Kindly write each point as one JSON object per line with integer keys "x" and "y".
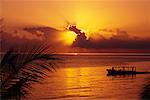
{"x": 91, "y": 16}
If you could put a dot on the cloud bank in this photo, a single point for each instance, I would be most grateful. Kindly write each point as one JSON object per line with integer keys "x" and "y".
{"x": 35, "y": 36}
{"x": 119, "y": 41}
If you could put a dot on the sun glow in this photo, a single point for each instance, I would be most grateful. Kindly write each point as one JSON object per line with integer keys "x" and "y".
{"x": 75, "y": 53}
{"x": 68, "y": 37}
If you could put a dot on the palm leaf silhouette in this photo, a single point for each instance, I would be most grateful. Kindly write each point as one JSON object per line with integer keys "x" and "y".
{"x": 145, "y": 95}
{"x": 20, "y": 71}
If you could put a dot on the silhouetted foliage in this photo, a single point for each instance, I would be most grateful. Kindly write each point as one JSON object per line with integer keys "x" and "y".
{"x": 19, "y": 71}
{"x": 146, "y": 91}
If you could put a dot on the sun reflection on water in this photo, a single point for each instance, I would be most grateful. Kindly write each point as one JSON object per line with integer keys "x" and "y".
{"x": 77, "y": 81}
{"x": 81, "y": 79}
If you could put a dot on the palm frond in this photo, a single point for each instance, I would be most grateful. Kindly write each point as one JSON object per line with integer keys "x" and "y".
{"x": 20, "y": 71}
{"x": 145, "y": 95}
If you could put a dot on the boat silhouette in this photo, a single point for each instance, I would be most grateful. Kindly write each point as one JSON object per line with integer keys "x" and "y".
{"x": 124, "y": 71}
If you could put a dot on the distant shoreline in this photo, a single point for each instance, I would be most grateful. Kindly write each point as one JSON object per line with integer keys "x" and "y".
{"x": 106, "y": 54}
{"x": 97, "y": 54}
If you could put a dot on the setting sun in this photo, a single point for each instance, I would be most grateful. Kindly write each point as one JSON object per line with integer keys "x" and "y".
{"x": 75, "y": 53}
{"x": 68, "y": 37}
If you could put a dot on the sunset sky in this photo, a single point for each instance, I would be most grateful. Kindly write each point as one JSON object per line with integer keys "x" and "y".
{"x": 96, "y": 18}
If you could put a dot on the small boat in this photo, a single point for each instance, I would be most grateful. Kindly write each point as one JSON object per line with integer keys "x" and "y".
{"x": 124, "y": 71}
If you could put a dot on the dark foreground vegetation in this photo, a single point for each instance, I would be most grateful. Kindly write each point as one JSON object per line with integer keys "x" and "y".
{"x": 146, "y": 91}
{"x": 20, "y": 70}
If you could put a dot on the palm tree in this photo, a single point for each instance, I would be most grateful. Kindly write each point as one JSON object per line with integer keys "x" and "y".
{"x": 20, "y": 71}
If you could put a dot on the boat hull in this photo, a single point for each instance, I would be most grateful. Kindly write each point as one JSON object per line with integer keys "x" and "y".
{"x": 121, "y": 72}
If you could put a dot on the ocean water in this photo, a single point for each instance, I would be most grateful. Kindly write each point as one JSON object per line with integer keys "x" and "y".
{"x": 84, "y": 77}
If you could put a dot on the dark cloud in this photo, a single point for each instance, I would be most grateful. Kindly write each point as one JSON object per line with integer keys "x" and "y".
{"x": 28, "y": 37}
{"x": 81, "y": 38}
{"x": 48, "y": 31}
{"x": 119, "y": 41}
{"x": 36, "y": 36}
{"x": 9, "y": 41}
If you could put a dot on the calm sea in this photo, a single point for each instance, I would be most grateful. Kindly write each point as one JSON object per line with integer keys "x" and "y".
{"x": 84, "y": 77}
